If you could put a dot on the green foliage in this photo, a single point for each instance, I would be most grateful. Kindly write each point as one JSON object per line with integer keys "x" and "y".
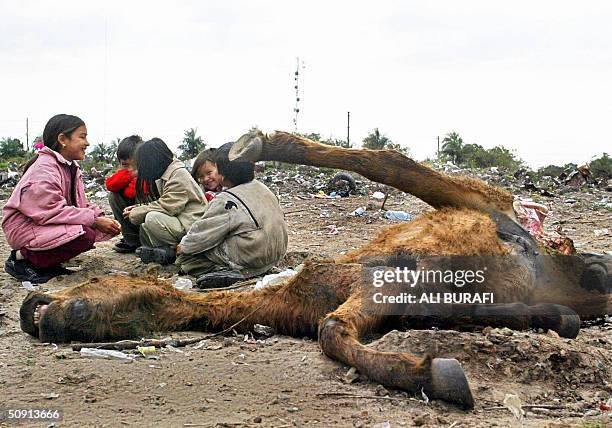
{"x": 311, "y": 136}
{"x": 11, "y": 148}
{"x": 476, "y": 156}
{"x": 192, "y": 145}
{"x": 377, "y": 141}
{"x": 452, "y": 146}
{"x": 554, "y": 170}
{"x": 104, "y": 153}
{"x": 601, "y": 167}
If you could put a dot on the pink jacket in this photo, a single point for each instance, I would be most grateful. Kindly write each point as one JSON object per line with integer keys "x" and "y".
{"x": 38, "y": 215}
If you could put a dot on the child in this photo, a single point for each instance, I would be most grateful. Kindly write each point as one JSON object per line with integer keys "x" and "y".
{"x": 242, "y": 233}
{"x": 122, "y": 188}
{"x": 173, "y": 202}
{"x": 205, "y": 172}
{"x": 47, "y": 220}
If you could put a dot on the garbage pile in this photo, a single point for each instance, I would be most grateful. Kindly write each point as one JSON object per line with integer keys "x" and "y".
{"x": 325, "y": 182}
{"x": 526, "y": 181}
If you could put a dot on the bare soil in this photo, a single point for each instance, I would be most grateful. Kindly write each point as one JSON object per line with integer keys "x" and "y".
{"x": 284, "y": 381}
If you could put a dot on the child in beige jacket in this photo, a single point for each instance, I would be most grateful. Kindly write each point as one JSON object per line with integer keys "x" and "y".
{"x": 173, "y": 202}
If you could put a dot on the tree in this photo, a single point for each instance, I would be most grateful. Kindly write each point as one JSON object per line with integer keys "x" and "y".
{"x": 192, "y": 144}
{"x": 103, "y": 152}
{"x": 452, "y": 145}
{"x": 11, "y": 148}
{"x": 375, "y": 140}
{"x": 601, "y": 167}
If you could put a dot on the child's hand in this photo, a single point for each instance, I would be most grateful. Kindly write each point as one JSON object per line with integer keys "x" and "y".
{"x": 127, "y": 211}
{"x": 107, "y": 225}
{"x": 179, "y": 250}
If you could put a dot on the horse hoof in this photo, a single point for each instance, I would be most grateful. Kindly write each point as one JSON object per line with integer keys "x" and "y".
{"x": 569, "y": 322}
{"x": 247, "y": 148}
{"x": 449, "y": 382}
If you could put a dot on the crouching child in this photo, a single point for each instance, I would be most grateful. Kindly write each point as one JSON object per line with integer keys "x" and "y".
{"x": 48, "y": 220}
{"x": 122, "y": 188}
{"x": 170, "y": 202}
{"x": 242, "y": 233}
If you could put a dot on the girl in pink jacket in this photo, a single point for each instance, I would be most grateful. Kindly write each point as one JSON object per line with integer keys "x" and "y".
{"x": 47, "y": 220}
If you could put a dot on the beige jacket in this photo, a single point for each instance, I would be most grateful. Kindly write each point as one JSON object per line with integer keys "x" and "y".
{"x": 243, "y": 228}
{"x": 180, "y": 197}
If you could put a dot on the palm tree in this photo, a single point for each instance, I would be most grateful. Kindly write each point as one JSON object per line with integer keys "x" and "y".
{"x": 452, "y": 146}
{"x": 192, "y": 145}
{"x": 375, "y": 140}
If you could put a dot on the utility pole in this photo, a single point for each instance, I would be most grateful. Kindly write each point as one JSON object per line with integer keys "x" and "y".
{"x": 438, "y": 152}
{"x": 296, "y": 109}
{"x": 27, "y": 135}
{"x": 348, "y": 129}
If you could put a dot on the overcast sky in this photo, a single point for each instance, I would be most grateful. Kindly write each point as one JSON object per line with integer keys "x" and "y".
{"x": 534, "y": 76}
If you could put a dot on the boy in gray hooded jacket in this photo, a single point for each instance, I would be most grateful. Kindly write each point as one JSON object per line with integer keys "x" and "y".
{"x": 242, "y": 232}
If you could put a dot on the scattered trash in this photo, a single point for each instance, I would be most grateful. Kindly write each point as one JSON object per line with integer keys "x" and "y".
{"x": 107, "y": 354}
{"x": 50, "y": 395}
{"x": 274, "y": 279}
{"x": 513, "y": 403}
{"x": 342, "y": 184}
{"x": 385, "y": 424}
{"x": 100, "y": 194}
{"x": 358, "y": 212}
{"x": 173, "y": 349}
{"x": 146, "y": 350}
{"x": 398, "y": 215}
{"x": 183, "y": 284}
{"x": 351, "y": 376}
{"x": 425, "y": 397}
{"x": 378, "y": 195}
{"x": 332, "y": 229}
{"x": 28, "y": 285}
{"x": 264, "y": 330}
{"x": 601, "y": 232}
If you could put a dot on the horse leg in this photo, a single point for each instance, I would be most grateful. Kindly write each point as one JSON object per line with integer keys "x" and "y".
{"x": 339, "y": 334}
{"x": 517, "y": 316}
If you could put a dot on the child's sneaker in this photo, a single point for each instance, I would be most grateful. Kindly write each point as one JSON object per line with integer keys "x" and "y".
{"x": 123, "y": 247}
{"x": 24, "y": 271}
{"x": 219, "y": 279}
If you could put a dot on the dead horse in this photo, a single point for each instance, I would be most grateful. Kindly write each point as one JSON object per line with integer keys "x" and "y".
{"x": 331, "y": 300}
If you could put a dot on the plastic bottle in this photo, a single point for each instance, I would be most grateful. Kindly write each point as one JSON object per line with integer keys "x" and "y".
{"x": 107, "y": 354}
{"x": 398, "y": 215}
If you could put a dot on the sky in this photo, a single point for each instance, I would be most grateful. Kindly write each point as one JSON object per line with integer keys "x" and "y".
{"x": 535, "y": 77}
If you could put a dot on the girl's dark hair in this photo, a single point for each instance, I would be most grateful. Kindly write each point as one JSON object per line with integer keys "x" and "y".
{"x": 59, "y": 124}
{"x": 127, "y": 147}
{"x": 236, "y": 172}
{"x": 152, "y": 159}
{"x": 205, "y": 155}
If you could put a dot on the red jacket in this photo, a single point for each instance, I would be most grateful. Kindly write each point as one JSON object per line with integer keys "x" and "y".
{"x": 122, "y": 181}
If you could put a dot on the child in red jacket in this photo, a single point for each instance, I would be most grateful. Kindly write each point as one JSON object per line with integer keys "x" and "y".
{"x": 122, "y": 188}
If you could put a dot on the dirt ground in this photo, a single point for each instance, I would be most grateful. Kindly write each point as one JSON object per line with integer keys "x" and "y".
{"x": 284, "y": 381}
